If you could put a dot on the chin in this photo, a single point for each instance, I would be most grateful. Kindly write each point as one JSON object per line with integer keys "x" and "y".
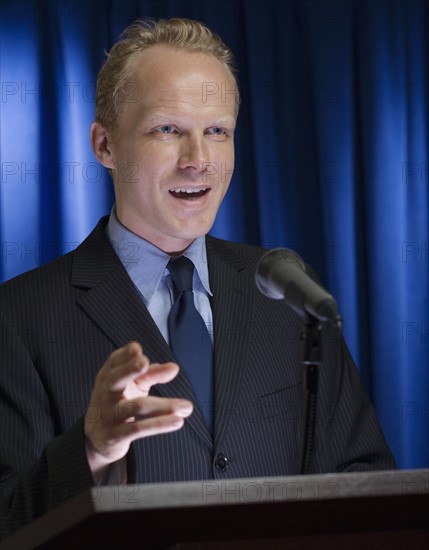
{"x": 193, "y": 231}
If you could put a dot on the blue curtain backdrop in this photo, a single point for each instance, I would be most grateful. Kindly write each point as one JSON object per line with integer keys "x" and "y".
{"x": 332, "y": 152}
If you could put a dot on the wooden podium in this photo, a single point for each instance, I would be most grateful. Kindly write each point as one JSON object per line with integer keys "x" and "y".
{"x": 386, "y": 510}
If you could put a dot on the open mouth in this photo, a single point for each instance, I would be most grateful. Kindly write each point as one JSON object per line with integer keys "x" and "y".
{"x": 188, "y": 193}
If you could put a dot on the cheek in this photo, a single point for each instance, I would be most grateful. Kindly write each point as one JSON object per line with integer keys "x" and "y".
{"x": 228, "y": 157}
{"x": 149, "y": 167}
{"x": 229, "y": 169}
{"x": 156, "y": 163}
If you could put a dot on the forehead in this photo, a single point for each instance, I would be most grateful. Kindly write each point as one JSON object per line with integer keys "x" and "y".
{"x": 163, "y": 75}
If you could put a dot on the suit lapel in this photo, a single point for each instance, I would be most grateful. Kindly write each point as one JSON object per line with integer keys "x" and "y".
{"x": 233, "y": 306}
{"x": 116, "y": 307}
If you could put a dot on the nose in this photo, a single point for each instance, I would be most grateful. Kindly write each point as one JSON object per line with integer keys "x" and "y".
{"x": 194, "y": 153}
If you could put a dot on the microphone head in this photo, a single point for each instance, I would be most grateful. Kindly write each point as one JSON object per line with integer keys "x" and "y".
{"x": 281, "y": 275}
{"x": 269, "y": 261}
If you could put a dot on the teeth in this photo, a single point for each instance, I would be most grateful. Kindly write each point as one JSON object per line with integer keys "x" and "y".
{"x": 190, "y": 191}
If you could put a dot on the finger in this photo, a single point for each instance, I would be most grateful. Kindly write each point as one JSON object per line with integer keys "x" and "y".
{"x": 132, "y": 350}
{"x": 157, "y": 373}
{"x": 151, "y": 406}
{"x": 117, "y": 436}
{"x": 151, "y": 426}
{"x": 116, "y": 379}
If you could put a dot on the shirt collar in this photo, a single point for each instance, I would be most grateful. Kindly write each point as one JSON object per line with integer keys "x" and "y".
{"x": 145, "y": 263}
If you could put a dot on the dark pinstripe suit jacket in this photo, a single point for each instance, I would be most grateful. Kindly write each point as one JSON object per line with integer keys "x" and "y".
{"x": 60, "y": 322}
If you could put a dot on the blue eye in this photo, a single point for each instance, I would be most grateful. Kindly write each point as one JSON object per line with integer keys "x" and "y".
{"x": 217, "y": 131}
{"x": 166, "y": 129}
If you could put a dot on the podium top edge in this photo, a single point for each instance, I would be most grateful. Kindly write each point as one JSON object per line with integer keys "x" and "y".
{"x": 260, "y": 490}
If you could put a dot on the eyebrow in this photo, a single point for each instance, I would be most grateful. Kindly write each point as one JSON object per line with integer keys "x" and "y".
{"x": 157, "y": 118}
{"x": 161, "y": 118}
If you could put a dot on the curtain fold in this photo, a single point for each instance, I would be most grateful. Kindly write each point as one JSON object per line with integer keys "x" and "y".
{"x": 332, "y": 159}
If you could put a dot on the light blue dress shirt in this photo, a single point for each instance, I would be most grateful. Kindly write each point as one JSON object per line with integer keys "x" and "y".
{"x": 146, "y": 265}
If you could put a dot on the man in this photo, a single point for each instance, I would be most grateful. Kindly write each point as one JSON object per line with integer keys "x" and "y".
{"x": 90, "y": 391}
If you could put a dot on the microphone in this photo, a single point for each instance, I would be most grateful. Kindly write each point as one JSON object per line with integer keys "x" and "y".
{"x": 281, "y": 275}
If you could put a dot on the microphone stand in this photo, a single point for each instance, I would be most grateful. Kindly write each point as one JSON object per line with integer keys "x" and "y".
{"x": 311, "y": 357}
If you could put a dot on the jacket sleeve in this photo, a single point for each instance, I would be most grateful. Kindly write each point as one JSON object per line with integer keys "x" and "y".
{"x": 39, "y": 466}
{"x": 352, "y": 435}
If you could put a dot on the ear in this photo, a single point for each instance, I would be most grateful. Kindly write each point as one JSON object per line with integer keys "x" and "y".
{"x": 101, "y": 145}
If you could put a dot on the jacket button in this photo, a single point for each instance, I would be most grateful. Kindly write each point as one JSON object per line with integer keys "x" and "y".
{"x": 221, "y": 463}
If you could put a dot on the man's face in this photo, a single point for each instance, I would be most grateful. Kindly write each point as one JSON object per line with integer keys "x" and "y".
{"x": 173, "y": 151}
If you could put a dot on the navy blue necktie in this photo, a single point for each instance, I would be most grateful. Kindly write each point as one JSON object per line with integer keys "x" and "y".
{"x": 189, "y": 338}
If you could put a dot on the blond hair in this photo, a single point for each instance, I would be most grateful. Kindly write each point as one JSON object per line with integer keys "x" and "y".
{"x": 114, "y": 78}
